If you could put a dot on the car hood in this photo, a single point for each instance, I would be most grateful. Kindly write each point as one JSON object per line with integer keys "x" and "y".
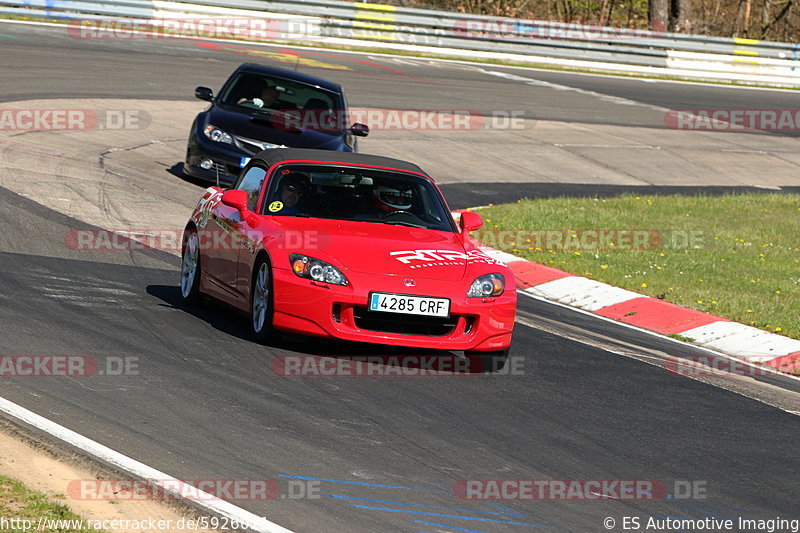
{"x": 272, "y": 131}
{"x": 390, "y": 249}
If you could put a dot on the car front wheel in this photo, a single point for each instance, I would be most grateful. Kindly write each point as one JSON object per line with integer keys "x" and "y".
{"x": 261, "y": 300}
{"x": 190, "y": 267}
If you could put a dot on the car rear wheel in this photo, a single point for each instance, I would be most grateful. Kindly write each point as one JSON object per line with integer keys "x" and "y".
{"x": 190, "y": 267}
{"x": 487, "y": 362}
{"x": 261, "y": 300}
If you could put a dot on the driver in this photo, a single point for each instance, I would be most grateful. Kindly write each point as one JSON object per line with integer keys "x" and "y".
{"x": 267, "y": 96}
{"x": 293, "y": 187}
{"x": 391, "y": 199}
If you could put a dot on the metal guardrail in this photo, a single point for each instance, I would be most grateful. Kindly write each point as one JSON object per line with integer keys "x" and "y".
{"x": 310, "y": 20}
{"x": 388, "y": 21}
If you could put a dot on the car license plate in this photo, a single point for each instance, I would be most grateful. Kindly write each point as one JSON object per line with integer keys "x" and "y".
{"x": 409, "y": 305}
{"x": 243, "y": 162}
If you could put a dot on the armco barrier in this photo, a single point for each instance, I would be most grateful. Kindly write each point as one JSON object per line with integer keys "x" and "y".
{"x": 389, "y": 26}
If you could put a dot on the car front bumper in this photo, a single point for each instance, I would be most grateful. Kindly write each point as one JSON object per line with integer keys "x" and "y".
{"x": 227, "y": 160}
{"x": 312, "y": 308}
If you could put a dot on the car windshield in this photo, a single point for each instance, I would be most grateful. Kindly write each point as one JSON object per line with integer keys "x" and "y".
{"x": 249, "y": 91}
{"x": 358, "y": 194}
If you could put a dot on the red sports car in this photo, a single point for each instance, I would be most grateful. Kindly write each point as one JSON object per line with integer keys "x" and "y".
{"x": 351, "y": 246}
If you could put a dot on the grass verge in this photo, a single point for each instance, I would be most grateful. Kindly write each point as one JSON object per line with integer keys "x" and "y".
{"x": 22, "y": 509}
{"x": 735, "y": 255}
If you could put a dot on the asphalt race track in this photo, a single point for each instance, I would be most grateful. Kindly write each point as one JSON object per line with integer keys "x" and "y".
{"x": 589, "y": 401}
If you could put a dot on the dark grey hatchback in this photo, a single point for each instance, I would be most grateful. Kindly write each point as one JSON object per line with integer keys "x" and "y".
{"x": 262, "y": 107}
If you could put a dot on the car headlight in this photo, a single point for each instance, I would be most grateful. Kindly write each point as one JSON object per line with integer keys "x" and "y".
{"x": 217, "y": 135}
{"x": 310, "y": 268}
{"x": 487, "y": 285}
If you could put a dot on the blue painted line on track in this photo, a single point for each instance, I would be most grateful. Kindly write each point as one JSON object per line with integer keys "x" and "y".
{"x": 452, "y": 528}
{"x": 508, "y": 511}
{"x": 364, "y": 484}
{"x": 426, "y": 505}
{"x": 457, "y": 517}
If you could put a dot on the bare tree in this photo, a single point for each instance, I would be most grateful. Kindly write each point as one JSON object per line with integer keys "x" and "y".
{"x": 680, "y": 16}
{"x": 742, "y": 18}
{"x": 658, "y": 14}
{"x": 781, "y": 14}
{"x": 776, "y": 20}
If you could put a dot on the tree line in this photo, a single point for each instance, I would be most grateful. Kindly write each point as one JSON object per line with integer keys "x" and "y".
{"x": 774, "y": 20}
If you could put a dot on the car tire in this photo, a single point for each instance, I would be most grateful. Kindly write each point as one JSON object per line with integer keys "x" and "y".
{"x": 261, "y": 300}
{"x": 190, "y": 268}
{"x": 487, "y": 362}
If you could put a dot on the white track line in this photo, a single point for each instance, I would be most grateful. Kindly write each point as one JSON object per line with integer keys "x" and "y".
{"x": 142, "y": 471}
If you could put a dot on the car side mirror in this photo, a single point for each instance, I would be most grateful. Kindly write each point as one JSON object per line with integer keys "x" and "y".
{"x": 359, "y": 130}
{"x": 469, "y": 221}
{"x": 204, "y": 93}
{"x": 235, "y": 198}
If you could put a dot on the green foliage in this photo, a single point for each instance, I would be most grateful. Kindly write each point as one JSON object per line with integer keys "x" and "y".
{"x": 18, "y": 502}
{"x": 740, "y": 260}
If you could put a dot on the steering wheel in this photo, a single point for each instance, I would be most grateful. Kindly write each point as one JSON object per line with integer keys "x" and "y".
{"x": 404, "y": 213}
{"x": 409, "y": 217}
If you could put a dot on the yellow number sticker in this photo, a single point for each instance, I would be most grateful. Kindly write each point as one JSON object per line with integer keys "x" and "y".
{"x": 275, "y": 206}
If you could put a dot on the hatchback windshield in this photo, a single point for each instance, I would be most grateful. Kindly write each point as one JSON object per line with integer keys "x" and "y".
{"x": 358, "y": 194}
{"x": 251, "y": 91}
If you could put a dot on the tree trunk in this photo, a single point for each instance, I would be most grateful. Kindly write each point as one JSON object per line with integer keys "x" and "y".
{"x": 658, "y": 13}
{"x": 742, "y": 18}
{"x": 603, "y": 7}
{"x": 610, "y": 16}
{"x": 765, "y": 16}
{"x": 783, "y": 13}
{"x": 681, "y": 16}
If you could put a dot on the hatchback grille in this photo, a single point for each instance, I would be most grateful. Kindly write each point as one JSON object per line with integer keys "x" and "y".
{"x": 404, "y": 324}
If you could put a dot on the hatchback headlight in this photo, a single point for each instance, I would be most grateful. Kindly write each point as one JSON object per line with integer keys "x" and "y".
{"x": 310, "y": 268}
{"x": 217, "y": 135}
{"x": 487, "y": 285}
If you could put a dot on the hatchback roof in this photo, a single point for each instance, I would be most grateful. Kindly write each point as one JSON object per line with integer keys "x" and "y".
{"x": 291, "y": 75}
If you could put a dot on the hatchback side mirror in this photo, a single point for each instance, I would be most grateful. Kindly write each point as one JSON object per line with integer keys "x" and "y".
{"x": 204, "y": 93}
{"x": 359, "y": 130}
